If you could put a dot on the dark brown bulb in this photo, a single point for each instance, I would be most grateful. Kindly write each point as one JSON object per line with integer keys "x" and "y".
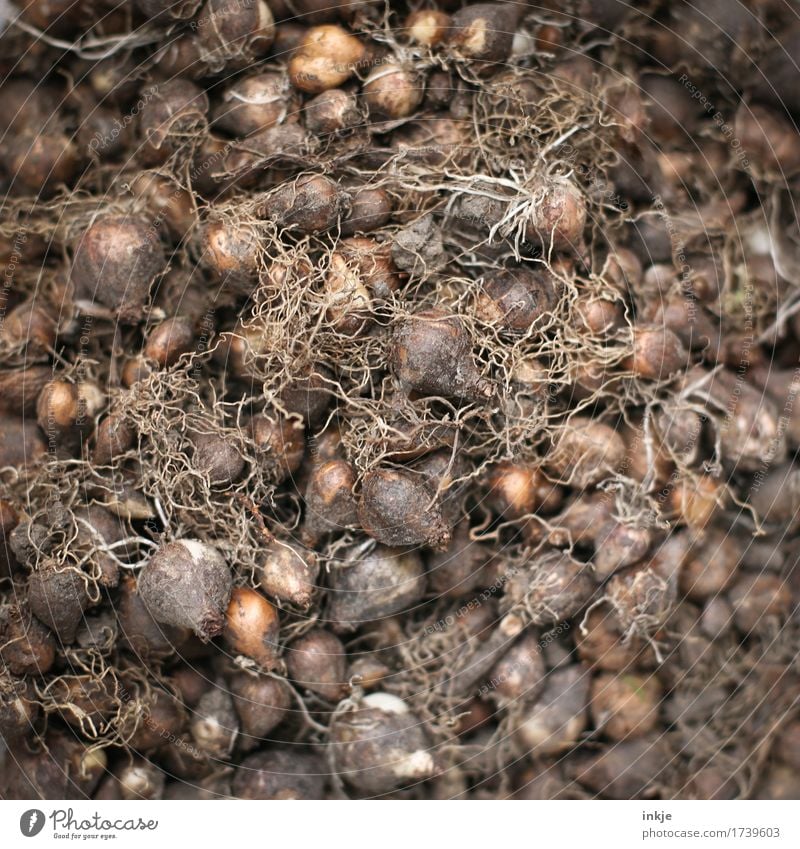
{"x": 170, "y": 112}
{"x": 168, "y": 340}
{"x": 115, "y": 263}
{"x": 236, "y": 34}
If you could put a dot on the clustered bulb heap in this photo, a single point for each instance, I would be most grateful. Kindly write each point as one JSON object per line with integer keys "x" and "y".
{"x": 399, "y": 401}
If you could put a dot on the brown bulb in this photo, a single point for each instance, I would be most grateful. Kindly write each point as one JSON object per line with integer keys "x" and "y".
{"x": 28, "y": 324}
{"x": 600, "y": 643}
{"x": 210, "y": 164}
{"x": 134, "y": 370}
{"x": 418, "y": 247}
{"x": 181, "y": 56}
{"x": 564, "y": 591}
{"x": 392, "y": 91}
{"x": 114, "y": 78}
{"x": 657, "y": 353}
{"x": 328, "y": 444}
{"x": 261, "y": 703}
{"x": 623, "y": 271}
{"x": 330, "y": 112}
{"x": 101, "y": 137}
{"x": 516, "y": 298}
{"x": 330, "y": 504}
{"x": 759, "y": 599}
{"x": 687, "y": 319}
{"x": 244, "y": 162}
{"x": 9, "y": 518}
{"x": 367, "y": 671}
{"x": 190, "y": 684}
{"x": 309, "y": 396}
{"x": 314, "y": 12}
{"x": 710, "y": 566}
{"x": 484, "y": 32}
{"x": 625, "y": 706}
{"x": 326, "y": 58}
{"x": 168, "y": 340}
{"x": 20, "y": 388}
{"x": 440, "y": 141}
{"x": 18, "y": 710}
{"x": 549, "y": 38}
{"x": 554, "y": 723}
{"x": 235, "y": 34}
{"x": 282, "y": 440}
{"x": 348, "y": 299}
{"x": 395, "y": 508}
{"x": 232, "y": 252}
{"x": 85, "y": 701}
{"x": 252, "y": 626}
{"x": 138, "y": 630}
{"x": 317, "y": 662}
{"x": 218, "y": 457}
{"x": 374, "y": 586}
{"x": 598, "y": 315}
{"x": 21, "y": 444}
{"x": 514, "y": 489}
{"x": 29, "y": 103}
{"x": 289, "y": 573}
{"x": 63, "y": 406}
{"x": 520, "y": 674}
{"x": 585, "y": 452}
{"x": 184, "y": 292}
{"x": 558, "y": 217}
{"x": 187, "y": 584}
{"x": 428, "y": 27}
{"x": 215, "y": 725}
{"x": 459, "y": 568}
{"x": 289, "y": 35}
{"x": 116, "y": 261}
{"x": 169, "y": 113}
{"x": 254, "y": 104}
{"x": 42, "y": 162}
{"x": 26, "y": 646}
{"x": 141, "y": 780}
{"x": 381, "y": 746}
{"x": 167, "y": 201}
{"x": 618, "y": 545}
{"x": 280, "y": 774}
{"x": 310, "y": 204}
{"x": 370, "y": 209}
{"x": 432, "y": 354}
{"x": 58, "y": 598}
{"x": 439, "y": 90}
{"x": 373, "y": 262}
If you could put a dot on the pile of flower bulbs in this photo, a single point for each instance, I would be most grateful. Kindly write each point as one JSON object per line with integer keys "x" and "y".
{"x": 399, "y": 399}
